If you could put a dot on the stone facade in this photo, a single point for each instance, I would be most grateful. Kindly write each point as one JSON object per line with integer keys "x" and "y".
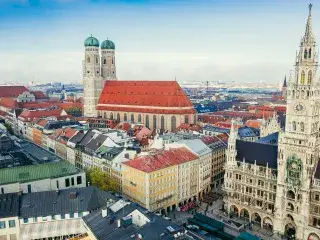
{"x": 98, "y": 67}
{"x": 282, "y": 194}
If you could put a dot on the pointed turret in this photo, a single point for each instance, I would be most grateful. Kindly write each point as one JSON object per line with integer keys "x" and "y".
{"x": 308, "y": 35}
{"x": 284, "y": 82}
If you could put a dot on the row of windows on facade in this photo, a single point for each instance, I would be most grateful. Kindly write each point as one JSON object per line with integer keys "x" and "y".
{"x": 294, "y": 126}
{"x": 69, "y": 183}
{"x": 104, "y": 60}
{"x": 10, "y": 224}
{"x": 53, "y": 217}
{"x": 147, "y": 122}
{"x": 307, "y": 54}
{"x": 303, "y": 77}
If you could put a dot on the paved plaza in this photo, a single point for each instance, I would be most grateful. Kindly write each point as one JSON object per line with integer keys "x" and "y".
{"x": 215, "y": 211}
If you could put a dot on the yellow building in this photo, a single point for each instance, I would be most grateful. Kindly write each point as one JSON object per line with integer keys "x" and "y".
{"x": 153, "y": 180}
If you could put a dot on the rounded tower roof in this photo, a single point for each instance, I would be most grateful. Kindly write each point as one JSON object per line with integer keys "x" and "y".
{"x": 91, "y": 42}
{"x": 108, "y": 44}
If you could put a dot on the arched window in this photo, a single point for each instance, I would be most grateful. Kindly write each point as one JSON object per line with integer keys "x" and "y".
{"x": 294, "y": 127}
{"x": 104, "y": 61}
{"x": 173, "y": 123}
{"x": 290, "y": 194}
{"x": 162, "y": 123}
{"x": 132, "y": 118}
{"x": 105, "y": 115}
{"x": 88, "y": 59}
{"x": 147, "y": 121}
{"x": 97, "y": 60}
{"x": 186, "y": 119}
{"x": 310, "y": 53}
{"x": 305, "y": 56}
{"x": 302, "y": 127}
{"x": 303, "y": 76}
{"x": 112, "y": 59}
{"x": 310, "y": 77}
{"x": 139, "y": 118}
{"x": 125, "y": 118}
{"x": 111, "y": 116}
{"x": 154, "y": 122}
{"x": 118, "y": 117}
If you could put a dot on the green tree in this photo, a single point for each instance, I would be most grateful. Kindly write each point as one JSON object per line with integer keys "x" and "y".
{"x": 9, "y": 128}
{"x": 101, "y": 180}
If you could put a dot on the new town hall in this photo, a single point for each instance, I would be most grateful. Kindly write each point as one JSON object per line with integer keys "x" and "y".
{"x": 275, "y": 181}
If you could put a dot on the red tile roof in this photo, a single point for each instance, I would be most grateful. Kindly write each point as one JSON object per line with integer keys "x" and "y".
{"x": 253, "y": 123}
{"x": 8, "y": 102}
{"x": 134, "y": 95}
{"x": 26, "y": 114}
{"x": 39, "y": 95}
{"x": 12, "y": 91}
{"x": 211, "y": 139}
{"x": 42, "y": 122}
{"x": 123, "y": 126}
{"x": 144, "y": 131}
{"x": 187, "y": 126}
{"x": 163, "y": 159}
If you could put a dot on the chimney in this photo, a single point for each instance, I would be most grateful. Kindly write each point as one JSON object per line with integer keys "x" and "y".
{"x": 104, "y": 212}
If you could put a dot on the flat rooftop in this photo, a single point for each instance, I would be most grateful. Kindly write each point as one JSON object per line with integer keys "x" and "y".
{"x": 29, "y": 162}
{"x": 25, "y": 154}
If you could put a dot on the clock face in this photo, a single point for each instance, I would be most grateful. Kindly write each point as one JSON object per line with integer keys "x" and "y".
{"x": 299, "y": 107}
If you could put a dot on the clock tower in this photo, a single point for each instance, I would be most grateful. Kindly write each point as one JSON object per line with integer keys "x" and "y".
{"x": 298, "y": 149}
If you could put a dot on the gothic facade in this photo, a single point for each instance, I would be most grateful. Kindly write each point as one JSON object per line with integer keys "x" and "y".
{"x": 275, "y": 182}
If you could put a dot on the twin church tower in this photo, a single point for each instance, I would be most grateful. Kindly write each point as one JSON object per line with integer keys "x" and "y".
{"x": 98, "y": 67}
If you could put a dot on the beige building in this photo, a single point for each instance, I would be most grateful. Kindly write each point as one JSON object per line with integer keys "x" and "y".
{"x": 166, "y": 179}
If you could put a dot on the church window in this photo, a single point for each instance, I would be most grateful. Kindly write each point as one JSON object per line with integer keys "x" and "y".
{"x": 305, "y": 54}
{"x": 186, "y": 119}
{"x": 104, "y": 61}
{"x": 173, "y": 123}
{"x": 154, "y": 122}
{"x": 147, "y": 121}
{"x": 125, "y": 118}
{"x": 294, "y": 127}
{"x": 162, "y": 123}
{"x": 303, "y": 76}
{"x": 97, "y": 60}
{"x": 118, "y": 117}
{"x": 112, "y": 61}
{"x": 290, "y": 194}
{"x": 310, "y": 53}
{"x": 105, "y": 115}
{"x": 139, "y": 118}
{"x": 111, "y": 116}
{"x": 302, "y": 126}
{"x": 310, "y": 77}
{"x": 132, "y": 117}
{"x": 88, "y": 60}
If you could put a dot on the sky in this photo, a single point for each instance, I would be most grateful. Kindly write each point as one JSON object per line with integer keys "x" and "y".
{"x": 190, "y": 40}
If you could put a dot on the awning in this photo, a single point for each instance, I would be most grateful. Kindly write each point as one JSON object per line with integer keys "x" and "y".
{"x": 51, "y": 229}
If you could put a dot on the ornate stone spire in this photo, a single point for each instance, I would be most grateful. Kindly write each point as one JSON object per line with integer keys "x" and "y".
{"x": 308, "y": 35}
